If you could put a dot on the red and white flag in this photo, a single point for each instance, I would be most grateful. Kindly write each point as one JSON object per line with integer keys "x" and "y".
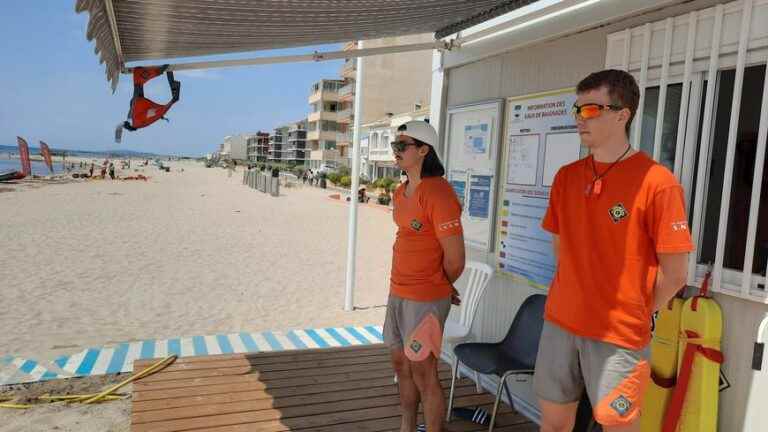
{"x": 46, "y": 152}
{"x": 26, "y": 165}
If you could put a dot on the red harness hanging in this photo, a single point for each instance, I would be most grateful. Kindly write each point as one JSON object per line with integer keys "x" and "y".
{"x": 143, "y": 111}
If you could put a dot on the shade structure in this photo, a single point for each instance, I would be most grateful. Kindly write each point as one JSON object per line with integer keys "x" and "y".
{"x": 127, "y": 31}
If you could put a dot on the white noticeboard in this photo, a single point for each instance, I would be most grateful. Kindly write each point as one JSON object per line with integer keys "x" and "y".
{"x": 471, "y": 159}
{"x": 540, "y": 138}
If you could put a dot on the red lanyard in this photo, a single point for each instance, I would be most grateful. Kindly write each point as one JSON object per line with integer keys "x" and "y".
{"x": 597, "y": 181}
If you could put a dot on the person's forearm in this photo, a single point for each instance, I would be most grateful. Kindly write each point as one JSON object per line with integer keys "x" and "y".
{"x": 452, "y": 272}
{"x": 666, "y": 288}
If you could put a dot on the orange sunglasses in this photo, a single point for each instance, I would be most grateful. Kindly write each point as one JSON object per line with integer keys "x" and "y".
{"x": 592, "y": 110}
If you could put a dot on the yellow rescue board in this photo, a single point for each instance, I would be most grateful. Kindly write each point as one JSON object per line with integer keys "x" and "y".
{"x": 699, "y": 412}
{"x": 664, "y": 348}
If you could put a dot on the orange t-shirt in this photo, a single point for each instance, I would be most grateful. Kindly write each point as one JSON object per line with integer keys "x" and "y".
{"x": 430, "y": 213}
{"x": 606, "y": 270}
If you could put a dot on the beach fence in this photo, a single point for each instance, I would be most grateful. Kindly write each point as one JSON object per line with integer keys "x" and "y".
{"x": 265, "y": 182}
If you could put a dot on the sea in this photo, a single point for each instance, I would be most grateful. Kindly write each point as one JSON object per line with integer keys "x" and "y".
{"x": 38, "y": 168}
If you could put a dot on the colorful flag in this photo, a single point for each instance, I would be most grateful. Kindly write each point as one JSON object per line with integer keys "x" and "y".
{"x": 26, "y": 166}
{"x": 46, "y": 152}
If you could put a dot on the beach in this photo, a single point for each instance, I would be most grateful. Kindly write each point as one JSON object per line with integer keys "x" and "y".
{"x": 100, "y": 262}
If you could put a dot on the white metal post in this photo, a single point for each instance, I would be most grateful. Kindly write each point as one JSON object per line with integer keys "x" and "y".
{"x": 684, "y": 99}
{"x": 637, "y": 133}
{"x": 706, "y": 138}
{"x": 352, "y": 231}
{"x": 662, "y": 104}
{"x": 757, "y": 186}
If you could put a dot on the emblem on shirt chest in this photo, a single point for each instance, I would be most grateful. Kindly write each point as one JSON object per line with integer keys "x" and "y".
{"x": 416, "y": 225}
{"x": 618, "y": 212}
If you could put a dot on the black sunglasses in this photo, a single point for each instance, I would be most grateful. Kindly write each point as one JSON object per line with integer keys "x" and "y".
{"x": 400, "y": 146}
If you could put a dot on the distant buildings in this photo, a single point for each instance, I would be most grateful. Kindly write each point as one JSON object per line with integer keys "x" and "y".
{"x": 392, "y": 83}
{"x": 258, "y": 147}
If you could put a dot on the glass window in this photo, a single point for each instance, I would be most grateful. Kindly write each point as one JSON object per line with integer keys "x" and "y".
{"x": 669, "y": 125}
{"x": 743, "y": 173}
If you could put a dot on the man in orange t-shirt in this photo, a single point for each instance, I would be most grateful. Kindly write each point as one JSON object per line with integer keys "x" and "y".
{"x": 621, "y": 239}
{"x": 427, "y": 258}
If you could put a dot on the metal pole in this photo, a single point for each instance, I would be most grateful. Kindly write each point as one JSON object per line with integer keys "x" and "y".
{"x": 352, "y": 233}
{"x": 315, "y": 57}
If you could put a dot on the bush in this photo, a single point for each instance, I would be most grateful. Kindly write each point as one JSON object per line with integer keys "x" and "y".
{"x": 345, "y": 181}
{"x": 384, "y": 199}
{"x": 344, "y": 171}
{"x": 298, "y": 171}
{"x": 334, "y": 177}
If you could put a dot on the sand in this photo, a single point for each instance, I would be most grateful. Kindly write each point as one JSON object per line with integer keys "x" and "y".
{"x": 92, "y": 263}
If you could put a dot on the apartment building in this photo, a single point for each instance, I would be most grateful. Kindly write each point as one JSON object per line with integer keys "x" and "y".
{"x": 392, "y": 83}
{"x": 257, "y": 146}
{"x": 322, "y": 127}
{"x": 295, "y": 150}
{"x": 379, "y": 159}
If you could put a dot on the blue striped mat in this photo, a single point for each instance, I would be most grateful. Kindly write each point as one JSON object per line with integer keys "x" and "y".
{"x": 120, "y": 358}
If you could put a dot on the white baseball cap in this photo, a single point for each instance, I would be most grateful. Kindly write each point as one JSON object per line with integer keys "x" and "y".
{"x": 420, "y": 130}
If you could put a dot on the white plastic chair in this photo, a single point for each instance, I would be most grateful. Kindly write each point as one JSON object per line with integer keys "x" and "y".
{"x": 477, "y": 276}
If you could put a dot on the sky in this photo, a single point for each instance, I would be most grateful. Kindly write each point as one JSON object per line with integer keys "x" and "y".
{"x": 55, "y": 90}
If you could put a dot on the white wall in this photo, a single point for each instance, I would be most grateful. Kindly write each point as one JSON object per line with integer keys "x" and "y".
{"x": 237, "y": 147}
{"x": 560, "y": 64}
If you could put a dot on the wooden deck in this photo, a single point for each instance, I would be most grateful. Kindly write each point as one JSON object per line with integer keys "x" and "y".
{"x": 323, "y": 390}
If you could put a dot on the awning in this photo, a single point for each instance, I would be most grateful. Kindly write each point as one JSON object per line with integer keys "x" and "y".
{"x": 138, "y": 30}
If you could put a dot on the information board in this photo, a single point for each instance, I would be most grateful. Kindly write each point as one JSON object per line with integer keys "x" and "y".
{"x": 540, "y": 138}
{"x": 471, "y": 158}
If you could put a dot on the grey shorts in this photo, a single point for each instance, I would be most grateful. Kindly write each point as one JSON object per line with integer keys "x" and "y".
{"x": 615, "y": 378}
{"x": 416, "y": 327}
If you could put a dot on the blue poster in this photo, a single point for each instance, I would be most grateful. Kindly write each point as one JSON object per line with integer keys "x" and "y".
{"x": 460, "y": 187}
{"x": 479, "y": 196}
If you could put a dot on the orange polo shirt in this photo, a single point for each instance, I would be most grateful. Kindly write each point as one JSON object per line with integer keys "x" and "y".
{"x": 606, "y": 271}
{"x": 432, "y": 212}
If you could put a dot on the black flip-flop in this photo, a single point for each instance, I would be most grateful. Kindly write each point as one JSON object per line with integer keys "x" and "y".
{"x": 475, "y": 415}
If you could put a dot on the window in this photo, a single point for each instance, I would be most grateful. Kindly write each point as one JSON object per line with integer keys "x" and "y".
{"x": 669, "y": 125}
{"x": 743, "y": 173}
{"x": 329, "y": 126}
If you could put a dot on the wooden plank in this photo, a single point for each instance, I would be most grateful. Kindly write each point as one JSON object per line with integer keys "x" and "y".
{"x": 278, "y": 356}
{"x": 239, "y": 360}
{"x": 357, "y": 381}
{"x": 262, "y": 420}
{"x": 292, "y": 406}
{"x": 278, "y": 379}
{"x": 330, "y": 390}
{"x": 506, "y": 421}
{"x": 242, "y": 366}
{"x": 338, "y": 390}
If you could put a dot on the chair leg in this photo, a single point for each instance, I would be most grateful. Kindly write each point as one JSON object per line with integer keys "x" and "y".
{"x": 449, "y": 412}
{"x": 477, "y": 383}
{"x": 496, "y": 405}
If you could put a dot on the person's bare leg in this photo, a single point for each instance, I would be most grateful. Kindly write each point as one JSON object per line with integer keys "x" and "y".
{"x": 557, "y": 417}
{"x": 409, "y": 393}
{"x": 426, "y": 378}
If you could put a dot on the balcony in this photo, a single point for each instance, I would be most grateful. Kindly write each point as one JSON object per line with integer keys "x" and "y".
{"x": 349, "y": 69}
{"x": 345, "y": 116}
{"x": 317, "y": 135}
{"x": 324, "y": 155}
{"x": 347, "y": 93}
{"x": 322, "y": 115}
{"x": 381, "y": 155}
